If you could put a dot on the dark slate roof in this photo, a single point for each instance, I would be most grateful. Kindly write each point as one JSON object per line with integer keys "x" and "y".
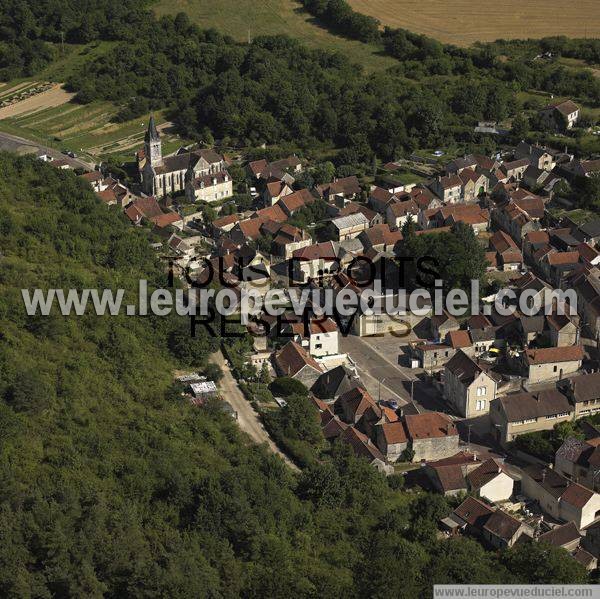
{"x": 586, "y": 386}
{"x": 335, "y": 382}
{"x": 152, "y": 132}
{"x": 591, "y": 229}
{"x": 561, "y": 535}
{"x": 525, "y": 406}
{"x": 501, "y": 525}
{"x": 463, "y": 367}
{"x": 532, "y": 324}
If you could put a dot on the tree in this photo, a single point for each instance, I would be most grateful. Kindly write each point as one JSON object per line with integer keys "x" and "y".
{"x": 540, "y": 563}
{"x": 286, "y": 386}
{"x": 520, "y": 127}
{"x": 324, "y": 172}
{"x": 408, "y": 228}
{"x": 213, "y": 372}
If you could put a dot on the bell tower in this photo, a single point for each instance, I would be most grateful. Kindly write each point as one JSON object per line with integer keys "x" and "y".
{"x": 152, "y": 144}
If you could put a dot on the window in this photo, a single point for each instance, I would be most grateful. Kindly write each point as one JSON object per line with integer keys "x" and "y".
{"x": 318, "y": 345}
{"x": 480, "y": 405}
{"x": 481, "y": 391}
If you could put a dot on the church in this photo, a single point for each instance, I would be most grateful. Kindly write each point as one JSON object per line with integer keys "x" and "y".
{"x": 201, "y": 174}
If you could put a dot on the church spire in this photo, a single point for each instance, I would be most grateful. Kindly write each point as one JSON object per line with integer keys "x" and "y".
{"x": 152, "y": 133}
{"x": 152, "y": 144}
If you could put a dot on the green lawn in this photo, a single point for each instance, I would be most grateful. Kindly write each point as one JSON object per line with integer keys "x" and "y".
{"x": 242, "y": 19}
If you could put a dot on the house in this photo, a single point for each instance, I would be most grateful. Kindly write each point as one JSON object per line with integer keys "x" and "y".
{"x": 354, "y": 403}
{"x": 561, "y": 498}
{"x": 374, "y": 218}
{"x": 474, "y": 184}
{"x": 143, "y": 208}
{"x": 469, "y": 516}
{"x": 468, "y": 387}
{"x": 502, "y": 530}
{"x": 224, "y": 224}
{"x": 274, "y": 190}
{"x": 432, "y": 356}
{"x": 448, "y": 189}
{"x": 579, "y": 461}
{"x": 491, "y": 481}
{"x": 202, "y": 174}
{"x": 349, "y": 227}
{"x": 496, "y": 527}
{"x": 432, "y": 435}
{"x": 391, "y": 440}
{"x": 442, "y": 325}
{"x": 399, "y": 212}
{"x": 591, "y": 230}
{"x": 584, "y": 393}
{"x": 317, "y": 260}
{"x": 335, "y": 382}
{"x": 381, "y": 238}
{"x": 294, "y": 361}
{"x": 340, "y": 191}
{"x": 563, "y": 332}
{"x": 363, "y": 447}
{"x": 293, "y": 202}
{"x": 515, "y": 169}
{"x": 586, "y": 283}
{"x": 460, "y": 339}
{"x": 557, "y": 265}
{"x": 449, "y": 475}
{"x": 560, "y": 116}
{"x": 509, "y": 256}
{"x": 287, "y": 240}
{"x": 261, "y": 169}
{"x": 520, "y": 413}
{"x": 551, "y": 363}
{"x": 319, "y": 337}
{"x": 566, "y": 536}
{"x": 539, "y": 157}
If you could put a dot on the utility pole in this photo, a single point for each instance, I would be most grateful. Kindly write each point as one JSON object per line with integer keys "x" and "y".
{"x": 62, "y": 43}
{"x": 469, "y": 437}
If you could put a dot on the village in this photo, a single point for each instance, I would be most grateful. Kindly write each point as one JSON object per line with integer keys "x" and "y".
{"x": 442, "y": 399}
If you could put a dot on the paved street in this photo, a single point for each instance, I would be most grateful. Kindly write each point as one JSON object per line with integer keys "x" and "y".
{"x": 19, "y": 145}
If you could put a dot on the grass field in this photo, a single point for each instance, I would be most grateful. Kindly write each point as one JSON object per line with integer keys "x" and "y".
{"x": 87, "y": 129}
{"x": 243, "y": 18}
{"x": 463, "y": 22}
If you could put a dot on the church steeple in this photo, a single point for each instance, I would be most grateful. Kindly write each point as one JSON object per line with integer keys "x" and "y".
{"x": 152, "y": 144}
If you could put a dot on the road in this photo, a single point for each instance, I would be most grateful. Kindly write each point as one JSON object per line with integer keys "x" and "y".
{"x": 248, "y": 419}
{"x": 12, "y": 143}
{"x": 377, "y": 363}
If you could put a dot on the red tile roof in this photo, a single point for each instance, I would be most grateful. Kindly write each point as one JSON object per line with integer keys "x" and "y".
{"x": 548, "y": 355}
{"x": 429, "y": 425}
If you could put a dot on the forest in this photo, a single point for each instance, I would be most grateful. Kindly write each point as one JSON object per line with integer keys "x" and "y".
{"x": 114, "y": 486}
{"x": 276, "y": 91}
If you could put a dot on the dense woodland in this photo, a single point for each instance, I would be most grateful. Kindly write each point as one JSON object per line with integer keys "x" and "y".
{"x": 276, "y": 90}
{"x": 114, "y": 486}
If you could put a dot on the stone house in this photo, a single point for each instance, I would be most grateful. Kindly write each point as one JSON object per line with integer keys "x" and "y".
{"x": 468, "y": 387}
{"x": 432, "y": 356}
{"x": 449, "y": 475}
{"x": 349, "y": 227}
{"x": 538, "y": 156}
{"x": 584, "y": 393}
{"x": 501, "y": 530}
{"x": 520, "y": 413}
{"x": 441, "y": 325}
{"x": 562, "y": 499}
{"x": 560, "y": 116}
{"x": 448, "y": 189}
{"x": 294, "y": 361}
{"x": 354, "y": 403}
{"x": 474, "y": 184}
{"x": 391, "y": 440}
{"x": 340, "y": 191}
{"x": 399, "y": 212}
{"x": 432, "y": 436}
{"x": 319, "y": 337}
{"x": 579, "y": 461}
{"x": 551, "y": 363}
{"x": 562, "y": 330}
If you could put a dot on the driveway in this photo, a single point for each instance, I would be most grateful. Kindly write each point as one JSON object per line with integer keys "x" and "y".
{"x": 248, "y": 420}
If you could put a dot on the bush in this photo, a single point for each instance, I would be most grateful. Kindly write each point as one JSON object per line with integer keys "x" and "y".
{"x": 287, "y": 386}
